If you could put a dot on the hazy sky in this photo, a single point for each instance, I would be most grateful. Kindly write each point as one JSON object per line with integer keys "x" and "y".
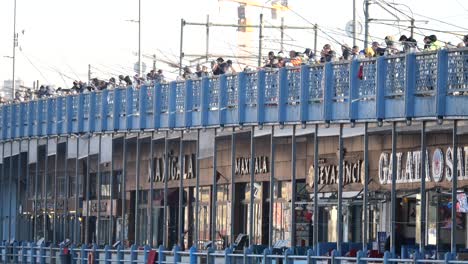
{"x": 61, "y": 37}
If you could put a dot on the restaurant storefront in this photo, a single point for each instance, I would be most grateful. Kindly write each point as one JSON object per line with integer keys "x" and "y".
{"x": 117, "y": 192}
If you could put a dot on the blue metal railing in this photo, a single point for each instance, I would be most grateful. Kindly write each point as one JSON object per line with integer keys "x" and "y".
{"x": 428, "y": 85}
{"x": 31, "y": 253}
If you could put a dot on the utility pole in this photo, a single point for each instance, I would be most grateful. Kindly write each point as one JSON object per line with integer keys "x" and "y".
{"x": 181, "y": 54}
{"x": 412, "y": 27}
{"x": 15, "y": 43}
{"x": 315, "y": 39}
{"x": 207, "y": 37}
{"x": 354, "y": 23}
{"x": 282, "y": 33}
{"x": 89, "y": 74}
{"x": 260, "y": 40}
{"x": 366, "y": 23}
{"x": 139, "y": 39}
{"x": 154, "y": 62}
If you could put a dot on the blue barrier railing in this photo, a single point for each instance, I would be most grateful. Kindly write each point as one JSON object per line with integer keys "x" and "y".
{"x": 32, "y": 253}
{"x": 429, "y": 85}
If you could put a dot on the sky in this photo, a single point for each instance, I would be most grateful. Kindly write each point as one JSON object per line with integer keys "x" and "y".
{"x": 58, "y": 39}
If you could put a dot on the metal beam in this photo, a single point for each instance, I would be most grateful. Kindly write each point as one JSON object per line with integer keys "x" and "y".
{"x": 316, "y": 175}
{"x": 137, "y": 188}
{"x": 293, "y": 187}
{"x": 233, "y": 183}
{"x": 124, "y": 191}
{"x": 272, "y": 185}
{"x": 365, "y": 198}
{"x": 339, "y": 226}
{"x": 166, "y": 176}
{"x": 252, "y": 182}
{"x": 151, "y": 196}
{"x": 453, "y": 242}
{"x": 422, "y": 237}
{"x": 180, "y": 231}
{"x": 393, "y": 191}
{"x": 197, "y": 191}
{"x": 214, "y": 194}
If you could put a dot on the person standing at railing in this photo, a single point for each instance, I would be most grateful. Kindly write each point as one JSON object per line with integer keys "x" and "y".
{"x": 463, "y": 44}
{"x": 431, "y": 43}
{"x": 409, "y": 44}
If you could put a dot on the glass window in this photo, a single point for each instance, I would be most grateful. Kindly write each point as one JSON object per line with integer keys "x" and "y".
{"x": 223, "y": 210}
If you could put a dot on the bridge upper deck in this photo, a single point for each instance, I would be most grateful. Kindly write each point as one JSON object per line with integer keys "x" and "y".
{"x": 428, "y": 85}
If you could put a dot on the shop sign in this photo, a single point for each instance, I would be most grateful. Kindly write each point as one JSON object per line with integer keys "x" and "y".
{"x": 174, "y": 168}
{"x": 439, "y": 166}
{"x": 50, "y": 205}
{"x": 328, "y": 173}
{"x": 260, "y": 165}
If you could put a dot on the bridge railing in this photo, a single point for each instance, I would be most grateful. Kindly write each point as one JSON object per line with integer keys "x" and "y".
{"x": 31, "y": 253}
{"x": 427, "y": 85}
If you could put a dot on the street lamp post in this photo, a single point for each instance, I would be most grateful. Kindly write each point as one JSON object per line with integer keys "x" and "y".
{"x": 15, "y": 43}
{"x": 139, "y": 38}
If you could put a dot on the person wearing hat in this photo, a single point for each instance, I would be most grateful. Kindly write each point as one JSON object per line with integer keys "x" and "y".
{"x": 392, "y": 47}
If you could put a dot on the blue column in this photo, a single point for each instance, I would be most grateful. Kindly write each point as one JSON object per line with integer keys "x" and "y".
{"x": 380, "y": 91}
{"x": 442, "y": 79}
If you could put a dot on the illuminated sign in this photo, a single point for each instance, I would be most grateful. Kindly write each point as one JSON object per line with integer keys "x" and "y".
{"x": 439, "y": 166}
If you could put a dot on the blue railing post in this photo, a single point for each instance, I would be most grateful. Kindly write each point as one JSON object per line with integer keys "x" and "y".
{"x": 266, "y": 253}
{"x": 92, "y": 112}
{"x": 95, "y": 252}
{"x": 448, "y": 257}
{"x": 107, "y": 254}
{"x": 210, "y": 259}
{"x": 120, "y": 254}
{"x": 205, "y": 100}
{"x": 161, "y": 257}
{"x": 83, "y": 255}
{"x": 222, "y": 101}
{"x": 116, "y": 108}
{"x": 73, "y": 254}
{"x": 227, "y": 258}
{"x": 15, "y": 252}
{"x": 241, "y": 78}
{"x": 410, "y": 85}
{"x": 42, "y": 254}
{"x": 283, "y": 95}
{"x": 386, "y": 257}
{"x": 380, "y": 91}
{"x": 304, "y": 93}
{"x": 176, "y": 252}
{"x": 442, "y": 79}
{"x": 157, "y": 101}
{"x": 172, "y": 104}
{"x": 188, "y": 103}
{"x": 104, "y": 109}
{"x": 261, "y": 96}
{"x": 288, "y": 252}
{"x": 328, "y": 92}
{"x": 24, "y": 251}
{"x": 335, "y": 253}
{"x": 359, "y": 255}
{"x": 146, "y": 253}
{"x": 353, "y": 90}
{"x": 310, "y": 253}
{"x": 133, "y": 253}
{"x": 143, "y": 102}
{"x": 129, "y": 111}
{"x": 193, "y": 257}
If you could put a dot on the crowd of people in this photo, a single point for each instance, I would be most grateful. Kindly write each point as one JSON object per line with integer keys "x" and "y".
{"x": 220, "y": 66}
